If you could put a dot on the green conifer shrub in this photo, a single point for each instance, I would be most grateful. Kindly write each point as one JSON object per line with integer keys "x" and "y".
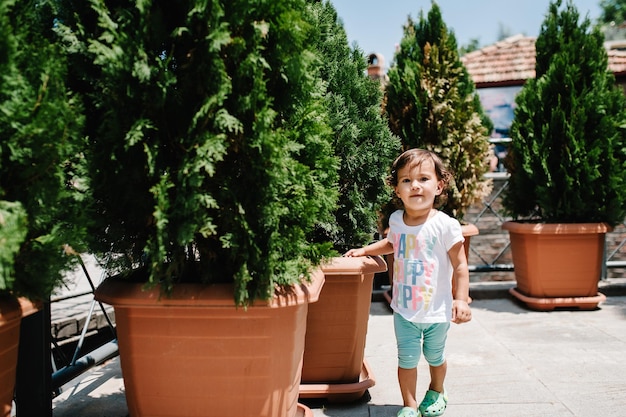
{"x": 210, "y": 151}
{"x": 431, "y": 103}
{"x": 362, "y": 140}
{"x": 41, "y": 183}
{"x": 568, "y": 155}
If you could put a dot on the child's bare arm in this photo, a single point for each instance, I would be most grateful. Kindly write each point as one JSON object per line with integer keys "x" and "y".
{"x": 381, "y": 247}
{"x": 461, "y": 311}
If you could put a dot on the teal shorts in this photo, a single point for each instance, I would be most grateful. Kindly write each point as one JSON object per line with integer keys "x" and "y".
{"x": 413, "y": 338}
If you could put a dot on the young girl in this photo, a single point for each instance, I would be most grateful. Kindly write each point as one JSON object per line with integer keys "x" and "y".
{"x": 428, "y": 248}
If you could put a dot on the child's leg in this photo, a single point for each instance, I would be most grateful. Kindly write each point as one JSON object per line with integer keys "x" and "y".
{"x": 437, "y": 376}
{"x": 434, "y": 351}
{"x": 408, "y": 337}
{"x": 408, "y": 386}
{"x": 435, "y": 400}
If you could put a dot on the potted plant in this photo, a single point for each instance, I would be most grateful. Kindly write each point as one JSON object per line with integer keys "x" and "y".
{"x": 431, "y": 103}
{"x": 334, "y": 365}
{"x": 210, "y": 164}
{"x": 566, "y": 163}
{"x": 39, "y": 161}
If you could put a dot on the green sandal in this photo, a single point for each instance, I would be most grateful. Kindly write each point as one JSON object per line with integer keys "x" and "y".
{"x": 409, "y": 412}
{"x": 434, "y": 404}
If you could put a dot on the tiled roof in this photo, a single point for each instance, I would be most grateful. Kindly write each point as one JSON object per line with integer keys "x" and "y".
{"x": 512, "y": 61}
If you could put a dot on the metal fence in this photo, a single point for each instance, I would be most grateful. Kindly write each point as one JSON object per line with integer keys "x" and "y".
{"x": 490, "y": 254}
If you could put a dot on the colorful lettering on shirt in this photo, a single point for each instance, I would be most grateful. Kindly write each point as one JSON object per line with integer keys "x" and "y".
{"x": 414, "y": 267}
{"x": 405, "y": 244}
{"x": 412, "y": 296}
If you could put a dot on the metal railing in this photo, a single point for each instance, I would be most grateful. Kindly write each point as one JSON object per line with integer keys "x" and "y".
{"x": 82, "y": 361}
{"x": 38, "y": 378}
{"x": 487, "y": 256}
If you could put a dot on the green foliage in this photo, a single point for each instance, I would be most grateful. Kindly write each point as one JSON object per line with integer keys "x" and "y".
{"x": 472, "y": 45}
{"x": 431, "y": 103}
{"x": 211, "y": 153}
{"x": 40, "y": 154}
{"x": 567, "y": 159}
{"x": 362, "y": 140}
{"x": 613, "y": 11}
{"x": 13, "y": 228}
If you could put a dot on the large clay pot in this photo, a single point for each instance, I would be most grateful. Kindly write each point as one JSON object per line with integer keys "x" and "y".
{"x": 195, "y": 354}
{"x": 334, "y": 365}
{"x": 468, "y": 230}
{"x": 557, "y": 265}
{"x": 11, "y": 312}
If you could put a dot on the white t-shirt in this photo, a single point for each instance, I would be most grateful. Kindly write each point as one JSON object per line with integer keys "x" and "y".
{"x": 422, "y": 271}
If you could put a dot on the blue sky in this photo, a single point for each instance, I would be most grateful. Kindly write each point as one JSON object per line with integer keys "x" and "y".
{"x": 376, "y": 25}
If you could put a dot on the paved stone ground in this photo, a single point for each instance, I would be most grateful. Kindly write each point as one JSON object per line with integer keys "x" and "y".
{"x": 508, "y": 361}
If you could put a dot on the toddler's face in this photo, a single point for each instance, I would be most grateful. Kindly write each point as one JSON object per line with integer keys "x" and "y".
{"x": 418, "y": 186}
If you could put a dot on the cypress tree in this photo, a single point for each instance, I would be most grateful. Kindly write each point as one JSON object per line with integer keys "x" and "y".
{"x": 41, "y": 182}
{"x": 211, "y": 154}
{"x": 362, "y": 140}
{"x": 567, "y": 159}
{"x": 431, "y": 103}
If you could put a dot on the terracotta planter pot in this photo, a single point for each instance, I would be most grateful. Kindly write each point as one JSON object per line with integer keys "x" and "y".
{"x": 469, "y": 230}
{"x": 333, "y": 365}
{"x": 557, "y": 265}
{"x": 11, "y": 312}
{"x": 196, "y": 354}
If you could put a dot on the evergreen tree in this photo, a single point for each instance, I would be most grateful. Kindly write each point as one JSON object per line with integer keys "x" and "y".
{"x": 211, "y": 154}
{"x": 612, "y": 19}
{"x": 472, "y": 45}
{"x": 431, "y": 103}
{"x": 567, "y": 159}
{"x": 361, "y": 137}
{"x": 613, "y": 11}
{"x": 40, "y": 154}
